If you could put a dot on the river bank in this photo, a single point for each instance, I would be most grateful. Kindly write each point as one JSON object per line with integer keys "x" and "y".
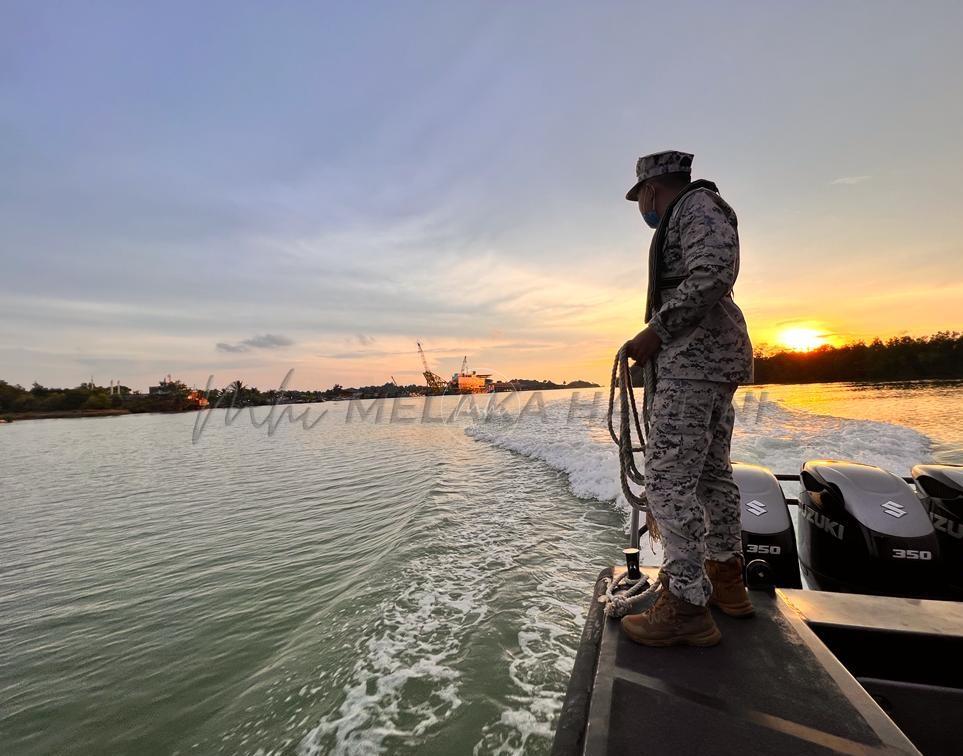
{"x": 9, "y": 417}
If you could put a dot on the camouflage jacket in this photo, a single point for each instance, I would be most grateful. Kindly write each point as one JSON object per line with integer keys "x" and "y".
{"x": 703, "y": 331}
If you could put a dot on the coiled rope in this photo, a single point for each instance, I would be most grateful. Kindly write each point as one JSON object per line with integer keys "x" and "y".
{"x": 622, "y": 595}
{"x": 618, "y": 602}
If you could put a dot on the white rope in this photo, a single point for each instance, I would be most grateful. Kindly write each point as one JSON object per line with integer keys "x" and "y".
{"x": 622, "y": 596}
{"x": 618, "y": 604}
{"x": 628, "y": 416}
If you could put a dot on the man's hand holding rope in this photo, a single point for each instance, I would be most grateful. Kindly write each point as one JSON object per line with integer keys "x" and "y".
{"x": 643, "y": 346}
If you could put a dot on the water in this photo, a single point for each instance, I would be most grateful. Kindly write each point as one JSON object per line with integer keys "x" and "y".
{"x": 932, "y": 407}
{"x": 358, "y": 587}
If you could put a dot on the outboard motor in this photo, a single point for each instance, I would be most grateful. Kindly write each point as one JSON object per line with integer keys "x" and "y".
{"x": 767, "y": 531}
{"x": 863, "y": 530}
{"x": 941, "y": 489}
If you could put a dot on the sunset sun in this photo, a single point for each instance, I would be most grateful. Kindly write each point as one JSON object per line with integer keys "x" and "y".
{"x": 801, "y": 339}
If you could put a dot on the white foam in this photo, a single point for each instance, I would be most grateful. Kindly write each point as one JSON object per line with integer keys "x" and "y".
{"x": 769, "y": 434}
{"x": 417, "y": 638}
{"x": 773, "y": 435}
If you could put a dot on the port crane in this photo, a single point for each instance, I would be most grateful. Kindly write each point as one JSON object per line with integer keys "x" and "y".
{"x": 436, "y": 384}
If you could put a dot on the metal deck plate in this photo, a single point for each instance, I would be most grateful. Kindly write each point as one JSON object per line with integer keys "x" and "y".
{"x": 878, "y": 613}
{"x": 770, "y": 686}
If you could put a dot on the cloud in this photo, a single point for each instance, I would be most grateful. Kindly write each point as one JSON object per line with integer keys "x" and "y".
{"x": 267, "y": 341}
{"x": 849, "y": 180}
{"x": 365, "y": 340}
{"x": 222, "y": 347}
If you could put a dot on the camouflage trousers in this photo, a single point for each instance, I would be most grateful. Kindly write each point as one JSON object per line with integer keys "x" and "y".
{"x": 688, "y": 481}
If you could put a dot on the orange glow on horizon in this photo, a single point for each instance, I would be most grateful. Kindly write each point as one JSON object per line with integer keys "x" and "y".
{"x": 801, "y": 339}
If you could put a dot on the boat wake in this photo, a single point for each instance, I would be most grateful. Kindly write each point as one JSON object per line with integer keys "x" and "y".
{"x": 469, "y": 645}
{"x": 769, "y": 434}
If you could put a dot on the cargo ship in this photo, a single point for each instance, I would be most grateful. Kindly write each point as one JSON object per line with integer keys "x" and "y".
{"x": 461, "y": 382}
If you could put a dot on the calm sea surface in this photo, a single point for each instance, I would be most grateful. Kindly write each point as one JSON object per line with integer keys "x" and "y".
{"x": 362, "y": 586}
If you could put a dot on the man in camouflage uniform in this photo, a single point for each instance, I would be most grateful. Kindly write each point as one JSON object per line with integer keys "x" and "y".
{"x": 698, "y": 351}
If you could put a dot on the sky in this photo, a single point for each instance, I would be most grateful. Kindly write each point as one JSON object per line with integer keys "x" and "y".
{"x": 239, "y": 189}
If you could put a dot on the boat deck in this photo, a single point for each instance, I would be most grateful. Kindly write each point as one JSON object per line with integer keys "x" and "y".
{"x": 771, "y": 686}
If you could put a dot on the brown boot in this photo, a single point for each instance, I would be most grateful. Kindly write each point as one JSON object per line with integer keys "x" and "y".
{"x": 728, "y": 588}
{"x": 672, "y": 621}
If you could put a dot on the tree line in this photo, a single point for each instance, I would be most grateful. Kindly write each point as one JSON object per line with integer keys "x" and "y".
{"x": 175, "y": 397}
{"x": 88, "y": 398}
{"x": 902, "y": 358}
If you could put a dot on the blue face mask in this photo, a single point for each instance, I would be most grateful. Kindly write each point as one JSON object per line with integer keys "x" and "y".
{"x": 651, "y": 218}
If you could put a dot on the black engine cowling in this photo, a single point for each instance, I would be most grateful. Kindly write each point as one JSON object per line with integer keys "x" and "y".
{"x": 940, "y": 487}
{"x": 767, "y": 531}
{"x": 863, "y": 530}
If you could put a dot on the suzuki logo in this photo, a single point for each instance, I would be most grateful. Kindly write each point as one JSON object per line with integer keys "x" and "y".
{"x": 756, "y": 507}
{"x": 946, "y": 525}
{"x": 822, "y": 522}
{"x": 893, "y": 509}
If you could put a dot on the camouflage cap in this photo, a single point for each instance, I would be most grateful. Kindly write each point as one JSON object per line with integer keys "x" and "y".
{"x": 657, "y": 164}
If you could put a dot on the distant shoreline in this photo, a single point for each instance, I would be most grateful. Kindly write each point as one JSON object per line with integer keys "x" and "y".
{"x": 60, "y": 414}
{"x": 9, "y": 417}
